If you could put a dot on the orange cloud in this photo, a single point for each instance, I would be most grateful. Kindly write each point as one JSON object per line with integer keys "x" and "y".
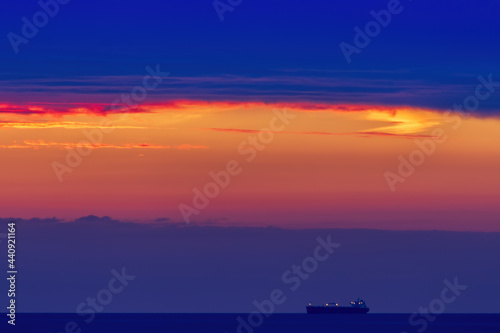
{"x": 361, "y": 133}
{"x": 61, "y": 124}
{"x": 72, "y": 145}
{"x": 61, "y": 109}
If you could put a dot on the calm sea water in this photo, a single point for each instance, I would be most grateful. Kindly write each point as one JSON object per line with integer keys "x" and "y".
{"x": 221, "y": 323}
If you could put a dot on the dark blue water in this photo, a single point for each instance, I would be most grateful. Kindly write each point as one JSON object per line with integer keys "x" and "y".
{"x": 221, "y": 323}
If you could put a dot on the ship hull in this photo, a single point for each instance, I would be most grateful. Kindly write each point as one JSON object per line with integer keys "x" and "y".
{"x": 336, "y": 310}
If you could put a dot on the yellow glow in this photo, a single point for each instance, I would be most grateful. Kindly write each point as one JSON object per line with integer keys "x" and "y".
{"x": 405, "y": 121}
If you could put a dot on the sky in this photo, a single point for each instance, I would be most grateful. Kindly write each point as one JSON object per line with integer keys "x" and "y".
{"x": 275, "y": 119}
{"x": 207, "y": 269}
{"x": 357, "y": 116}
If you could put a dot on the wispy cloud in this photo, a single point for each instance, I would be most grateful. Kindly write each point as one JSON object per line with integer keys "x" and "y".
{"x": 61, "y": 124}
{"x": 72, "y": 145}
{"x": 62, "y": 109}
{"x": 325, "y": 87}
{"x": 361, "y": 133}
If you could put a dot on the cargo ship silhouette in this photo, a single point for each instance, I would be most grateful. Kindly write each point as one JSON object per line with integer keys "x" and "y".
{"x": 356, "y": 307}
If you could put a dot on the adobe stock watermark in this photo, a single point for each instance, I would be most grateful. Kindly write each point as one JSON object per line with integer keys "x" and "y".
{"x": 223, "y": 6}
{"x": 95, "y": 136}
{"x": 427, "y": 147}
{"x": 292, "y": 279}
{"x": 30, "y": 28}
{"x": 448, "y": 295}
{"x": 221, "y": 179}
{"x": 373, "y": 28}
{"x": 92, "y": 305}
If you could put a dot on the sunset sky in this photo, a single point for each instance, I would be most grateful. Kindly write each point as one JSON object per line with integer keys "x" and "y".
{"x": 326, "y": 168}
{"x": 205, "y": 152}
{"x": 226, "y": 80}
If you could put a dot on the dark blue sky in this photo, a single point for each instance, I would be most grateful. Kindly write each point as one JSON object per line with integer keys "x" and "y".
{"x": 429, "y": 55}
{"x": 215, "y": 269}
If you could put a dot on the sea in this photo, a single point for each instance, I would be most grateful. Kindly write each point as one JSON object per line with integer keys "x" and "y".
{"x": 242, "y": 323}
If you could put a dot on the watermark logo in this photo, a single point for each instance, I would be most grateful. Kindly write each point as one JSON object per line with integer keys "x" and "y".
{"x": 103, "y": 298}
{"x": 372, "y": 29}
{"x": 221, "y": 179}
{"x": 30, "y": 28}
{"x": 95, "y": 137}
{"x": 292, "y": 278}
{"x": 449, "y": 294}
{"x": 221, "y": 7}
{"x": 427, "y": 147}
